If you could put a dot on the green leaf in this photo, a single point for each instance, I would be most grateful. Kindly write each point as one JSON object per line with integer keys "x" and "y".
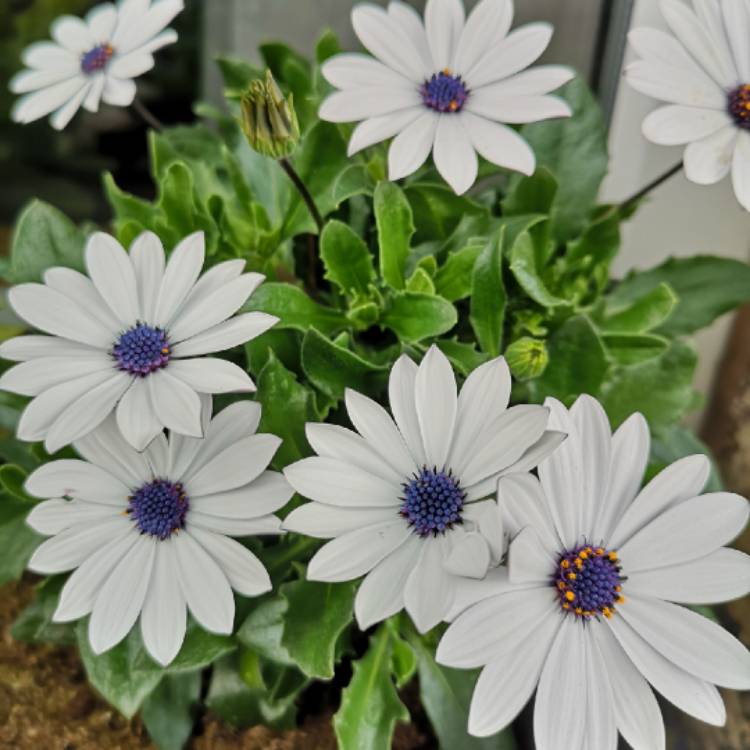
{"x": 574, "y": 150}
{"x": 420, "y": 281}
{"x": 577, "y": 362}
{"x": 464, "y": 357}
{"x": 413, "y": 316}
{"x": 706, "y": 288}
{"x": 332, "y": 368}
{"x": 534, "y": 194}
{"x": 669, "y": 444}
{"x": 631, "y": 348}
{"x": 263, "y": 630}
{"x": 488, "y": 297}
{"x": 316, "y": 615}
{"x": 237, "y": 75}
{"x": 34, "y": 624}
{"x": 168, "y": 713}
{"x": 43, "y": 237}
{"x": 438, "y": 211}
{"x": 294, "y": 308}
{"x": 395, "y": 223}
{"x": 347, "y": 259}
{"x": 446, "y": 697}
{"x": 523, "y": 266}
{"x": 599, "y": 242}
{"x": 17, "y": 540}
{"x": 370, "y": 706}
{"x": 286, "y": 406}
{"x": 642, "y": 314}
{"x": 661, "y": 388}
{"x": 454, "y": 279}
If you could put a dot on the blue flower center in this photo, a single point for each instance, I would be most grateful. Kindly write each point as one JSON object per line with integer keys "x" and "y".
{"x": 96, "y": 58}
{"x": 588, "y": 582}
{"x": 141, "y": 350}
{"x": 158, "y": 508}
{"x": 432, "y": 502}
{"x": 444, "y": 92}
{"x": 739, "y": 106}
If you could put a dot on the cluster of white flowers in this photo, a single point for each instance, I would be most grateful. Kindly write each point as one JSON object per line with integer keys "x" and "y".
{"x": 560, "y": 581}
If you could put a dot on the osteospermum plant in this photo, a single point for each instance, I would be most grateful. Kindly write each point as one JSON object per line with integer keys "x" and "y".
{"x": 392, "y": 368}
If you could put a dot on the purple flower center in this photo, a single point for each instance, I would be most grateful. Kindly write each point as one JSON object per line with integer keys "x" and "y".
{"x": 432, "y": 502}
{"x": 444, "y": 92}
{"x": 588, "y": 581}
{"x": 739, "y": 106}
{"x": 158, "y": 508}
{"x": 96, "y": 58}
{"x": 141, "y": 350}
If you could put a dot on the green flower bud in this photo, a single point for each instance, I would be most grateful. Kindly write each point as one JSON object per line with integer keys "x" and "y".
{"x": 268, "y": 119}
{"x": 527, "y": 358}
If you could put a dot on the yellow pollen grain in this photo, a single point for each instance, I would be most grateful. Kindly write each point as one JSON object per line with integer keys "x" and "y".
{"x": 612, "y": 556}
{"x": 560, "y": 585}
{"x": 583, "y": 554}
{"x": 607, "y": 612}
{"x": 566, "y": 605}
{"x": 570, "y": 596}
{"x": 453, "y": 106}
{"x": 579, "y": 611}
{"x": 620, "y": 600}
{"x": 599, "y": 551}
{"x": 564, "y": 564}
{"x": 447, "y": 71}
{"x": 572, "y": 576}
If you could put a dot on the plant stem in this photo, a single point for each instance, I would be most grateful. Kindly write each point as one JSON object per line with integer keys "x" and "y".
{"x": 147, "y": 115}
{"x": 626, "y": 204}
{"x": 286, "y": 165}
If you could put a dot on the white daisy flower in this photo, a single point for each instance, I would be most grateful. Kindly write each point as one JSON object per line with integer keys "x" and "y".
{"x": 406, "y": 499}
{"x": 584, "y": 614}
{"x": 445, "y": 85}
{"x": 703, "y": 71}
{"x": 129, "y": 337}
{"x": 92, "y": 60}
{"x": 148, "y": 533}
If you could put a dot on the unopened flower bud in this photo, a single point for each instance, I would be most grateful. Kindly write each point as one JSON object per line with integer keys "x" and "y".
{"x": 268, "y": 119}
{"x": 527, "y": 358}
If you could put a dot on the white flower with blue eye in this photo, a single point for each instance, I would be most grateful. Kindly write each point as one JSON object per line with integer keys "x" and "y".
{"x": 147, "y": 534}
{"x": 703, "y": 72}
{"x": 445, "y": 85}
{"x": 92, "y": 60}
{"x": 129, "y": 336}
{"x": 406, "y": 497}
{"x": 584, "y": 612}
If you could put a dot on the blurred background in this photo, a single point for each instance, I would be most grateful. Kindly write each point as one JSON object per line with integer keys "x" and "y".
{"x": 64, "y": 168}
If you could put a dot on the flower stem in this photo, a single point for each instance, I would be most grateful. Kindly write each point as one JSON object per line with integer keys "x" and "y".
{"x": 286, "y": 165}
{"x": 637, "y": 197}
{"x": 147, "y": 115}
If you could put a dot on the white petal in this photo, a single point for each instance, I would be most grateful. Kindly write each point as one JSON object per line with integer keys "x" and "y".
{"x": 487, "y": 25}
{"x": 82, "y": 587}
{"x": 147, "y": 257}
{"x": 677, "y": 124}
{"x": 72, "y": 33}
{"x": 709, "y": 160}
{"x": 390, "y": 43}
{"x": 50, "y": 56}
{"x": 117, "y": 92}
{"x": 522, "y": 503}
{"x": 471, "y": 591}
{"x": 38, "y": 375}
{"x": 401, "y": 396}
{"x": 235, "y": 466}
{"x": 204, "y": 585}
{"x": 741, "y": 170}
{"x": 547, "y": 444}
{"x": 637, "y": 713}
{"x": 235, "y": 526}
{"x": 266, "y": 494}
{"x": 376, "y": 129}
{"x": 32, "y": 106}
{"x": 101, "y": 21}
{"x": 53, "y": 312}
{"x": 373, "y": 101}
{"x": 335, "y": 482}
{"x": 737, "y": 23}
{"x": 718, "y": 577}
{"x": 436, "y": 402}
{"x": 528, "y": 561}
{"x": 411, "y": 147}
{"x": 53, "y": 516}
{"x": 78, "y": 479}
{"x": 489, "y": 103}
{"x": 131, "y": 65}
{"x": 82, "y": 292}
{"x": 130, "y": 14}
{"x": 327, "y": 521}
{"x": 355, "y": 70}
{"x": 215, "y": 278}
{"x": 332, "y": 441}
{"x": 661, "y": 48}
{"x": 375, "y": 425}
{"x": 226, "y": 335}
{"x": 429, "y": 589}
{"x": 30, "y": 80}
{"x": 675, "y": 85}
{"x": 696, "y": 697}
{"x": 470, "y": 556}
{"x": 111, "y": 271}
{"x": 487, "y": 518}
{"x": 542, "y": 79}
{"x": 136, "y": 416}
{"x": 64, "y": 114}
{"x": 601, "y": 730}
{"x": 87, "y": 413}
{"x": 93, "y": 95}
{"x": 630, "y": 450}
{"x": 444, "y": 22}
{"x": 693, "y": 642}
{"x": 180, "y": 275}
{"x": 156, "y": 18}
{"x": 357, "y": 552}
{"x": 22, "y": 348}
{"x": 120, "y": 600}
{"x": 507, "y": 682}
{"x": 499, "y": 144}
{"x": 381, "y": 593}
{"x": 212, "y": 375}
{"x": 177, "y": 405}
{"x": 409, "y": 20}
{"x": 559, "y": 710}
{"x": 694, "y": 528}
{"x": 516, "y": 52}
{"x": 454, "y": 155}
{"x": 680, "y": 481}
{"x": 164, "y": 615}
{"x": 245, "y": 573}
{"x": 157, "y": 456}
